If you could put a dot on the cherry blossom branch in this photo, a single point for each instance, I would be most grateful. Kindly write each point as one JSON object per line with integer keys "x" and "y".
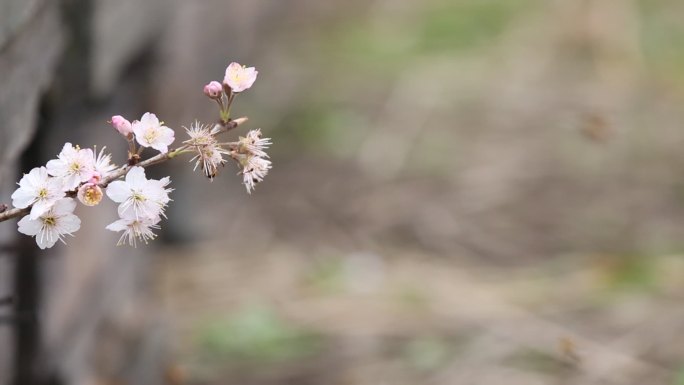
{"x": 224, "y": 126}
{"x": 14, "y": 213}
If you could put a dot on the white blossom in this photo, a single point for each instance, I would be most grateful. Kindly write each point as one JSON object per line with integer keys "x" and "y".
{"x": 150, "y": 132}
{"x": 135, "y": 228}
{"x": 37, "y": 188}
{"x": 239, "y": 77}
{"x": 51, "y": 226}
{"x": 73, "y": 165}
{"x": 145, "y": 198}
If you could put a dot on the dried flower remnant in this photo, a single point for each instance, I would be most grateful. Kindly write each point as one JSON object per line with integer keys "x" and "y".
{"x": 254, "y": 169}
{"x": 208, "y": 152}
{"x": 254, "y": 143}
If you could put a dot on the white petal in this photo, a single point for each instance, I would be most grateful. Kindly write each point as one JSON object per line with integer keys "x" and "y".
{"x": 41, "y": 207}
{"x": 47, "y": 239}
{"x": 167, "y": 135}
{"x": 136, "y": 177}
{"x": 67, "y": 150}
{"x": 29, "y": 226}
{"x": 160, "y": 146}
{"x": 118, "y": 191}
{"x": 22, "y": 198}
{"x": 120, "y": 225}
{"x": 150, "y": 119}
{"x": 70, "y": 182}
{"x": 55, "y": 167}
{"x": 55, "y": 186}
{"x": 139, "y": 131}
{"x": 64, "y": 206}
{"x": 69, "y": 224}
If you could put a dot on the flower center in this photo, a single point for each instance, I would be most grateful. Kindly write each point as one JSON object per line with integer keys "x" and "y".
{"x": 92, "y": 196}
{"x": 43, "y": 193}
{"x": 138, "y": 197}
{"x": 49, "y": 221}
{"x": 75, "y": 167}
{"x": 151, "y": 135}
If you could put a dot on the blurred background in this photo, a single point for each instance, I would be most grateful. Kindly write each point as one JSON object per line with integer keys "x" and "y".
{"x": 463, "y": 192}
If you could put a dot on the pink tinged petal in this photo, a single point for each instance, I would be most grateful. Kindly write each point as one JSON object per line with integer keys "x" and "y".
{"x": 29, "y": 226}
{"x": 140, "y": 138}
{"x": 167, "y": 135}
{"x": 138, "y": 130}
{"x": 118, "y": 191}
{"x": 161, "y": 147}
{"x": 149, "y": 119}
{"x": 250, "y": 76}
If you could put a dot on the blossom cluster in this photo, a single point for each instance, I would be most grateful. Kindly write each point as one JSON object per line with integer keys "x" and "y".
{"x": 47, "y": 193}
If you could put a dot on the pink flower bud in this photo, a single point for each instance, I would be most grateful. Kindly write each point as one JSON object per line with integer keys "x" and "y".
{"x": 122, "y": 125}
{"x": 213, "y": 90}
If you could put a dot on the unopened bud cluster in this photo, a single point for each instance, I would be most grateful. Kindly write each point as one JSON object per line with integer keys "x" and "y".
{"x": 47, "y": 193}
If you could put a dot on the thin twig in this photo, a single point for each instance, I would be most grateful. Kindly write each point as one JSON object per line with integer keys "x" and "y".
{"x": 160, "y": 158}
